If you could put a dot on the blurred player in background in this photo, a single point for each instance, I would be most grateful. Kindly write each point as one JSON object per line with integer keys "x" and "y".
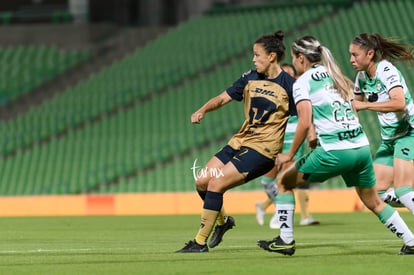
{"x": 323, "y": 95}
{"x": 269, "y": 183}
{"x": 250, "y": 153}
{"x": 384, "y": 88}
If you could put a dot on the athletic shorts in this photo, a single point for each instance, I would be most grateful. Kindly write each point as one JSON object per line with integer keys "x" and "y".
{"x": 354, "y": 165}
{"x": 303, "y": 186}
{"x": 246, "y": 160}
{"x": 401, "y": 148}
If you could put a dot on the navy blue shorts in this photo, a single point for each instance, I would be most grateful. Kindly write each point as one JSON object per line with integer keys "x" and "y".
{"x": 247, "y": 161}
{"x": 303, "y": 186}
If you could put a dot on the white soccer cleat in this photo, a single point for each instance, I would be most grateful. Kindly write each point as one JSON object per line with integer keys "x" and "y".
{"x": 260, "y": 213}
{"x": 309, "y": 221}
{"x": 274, "y": 223}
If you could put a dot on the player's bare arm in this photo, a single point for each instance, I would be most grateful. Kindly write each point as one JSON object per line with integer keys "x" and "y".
{"x": 312, "y": 138}
{"x": 211, "y": 105}
{"x": 395, "y": 104}
{"x": 304, "y": 109}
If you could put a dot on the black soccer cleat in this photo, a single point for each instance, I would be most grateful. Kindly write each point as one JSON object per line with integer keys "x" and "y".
{"x": 219, "y": 231}
{"x": 406, "y": 250}
{"x": 278, "y": 245}
{"x": 193, "y": 247}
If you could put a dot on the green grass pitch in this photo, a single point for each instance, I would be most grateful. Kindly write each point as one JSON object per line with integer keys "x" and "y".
{"x": 345, "y": 243}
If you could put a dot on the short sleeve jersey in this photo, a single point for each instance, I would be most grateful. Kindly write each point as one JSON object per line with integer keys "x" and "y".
{"x": 292, "y": 124}
{"x": 393, "y": 124}
{"x": 268, "y": 103}
{"x": 336, "y": 124}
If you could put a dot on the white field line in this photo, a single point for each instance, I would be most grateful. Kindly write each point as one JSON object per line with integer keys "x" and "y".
{"x": 42, "y": 250}
{"x": 62, "y": 250}
{"x": 74, "y": 250}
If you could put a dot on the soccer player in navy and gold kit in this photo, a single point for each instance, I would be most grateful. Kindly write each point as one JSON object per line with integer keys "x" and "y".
{"x": 251, "y": 152}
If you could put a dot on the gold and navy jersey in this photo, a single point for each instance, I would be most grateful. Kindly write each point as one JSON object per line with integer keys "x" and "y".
{"x": 268, "y": 103}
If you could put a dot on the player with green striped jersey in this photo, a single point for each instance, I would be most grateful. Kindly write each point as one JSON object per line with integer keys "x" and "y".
{"x": 380, "y": 87}
{"x": 322, "y": 95}
{"x": 377, "y": 89}
{"x": 336, "y": 124}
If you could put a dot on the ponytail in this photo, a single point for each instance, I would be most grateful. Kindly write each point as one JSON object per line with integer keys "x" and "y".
{"x": 384, "y": 48}
{"x": 315, "y": 52}
{"x": 341, "y": 83}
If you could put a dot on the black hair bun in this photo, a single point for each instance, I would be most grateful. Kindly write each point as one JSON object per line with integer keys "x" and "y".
{"x": 279, "y": 35}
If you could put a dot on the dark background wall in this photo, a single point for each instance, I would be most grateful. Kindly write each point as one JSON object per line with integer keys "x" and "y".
{"x": 121, "y": 12}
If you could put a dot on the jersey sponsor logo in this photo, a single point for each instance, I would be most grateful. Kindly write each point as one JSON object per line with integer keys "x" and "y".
{"x": 386, "y": 69}
{"x": 350, "y": 134}
{"x": 319, "y": 76}
{"x": 372, "y": 97}
{"x": 264, "y": 92}
{"x": 405, "y": 151}
{"x": 392, "y": 79}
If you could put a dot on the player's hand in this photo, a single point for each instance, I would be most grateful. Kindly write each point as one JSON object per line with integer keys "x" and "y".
{"x": 358, "y": 105}
{"x": 313, "y": 143}
{"x": 282, "y": 159}
{"x": 312, "y": 137}
{"x": 197, "y": 117}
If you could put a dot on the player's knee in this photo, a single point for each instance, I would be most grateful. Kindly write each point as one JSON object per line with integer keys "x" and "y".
{"x": 201, "y": 184}
{"x": 215, "y": 185}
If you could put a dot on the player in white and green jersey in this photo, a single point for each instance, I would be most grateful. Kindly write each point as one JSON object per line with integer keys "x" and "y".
{"x": 323, "y": 96}
{"x": 380, "y": 87}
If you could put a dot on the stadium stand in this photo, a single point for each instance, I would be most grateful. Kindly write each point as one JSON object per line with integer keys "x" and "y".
{"x": 23, "y": 68}
{"x": 112, "y": 87}
{"x": 125, "y": 127}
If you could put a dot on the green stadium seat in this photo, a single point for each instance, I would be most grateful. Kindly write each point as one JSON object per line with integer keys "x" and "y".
{"x": 76, "y": 142}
